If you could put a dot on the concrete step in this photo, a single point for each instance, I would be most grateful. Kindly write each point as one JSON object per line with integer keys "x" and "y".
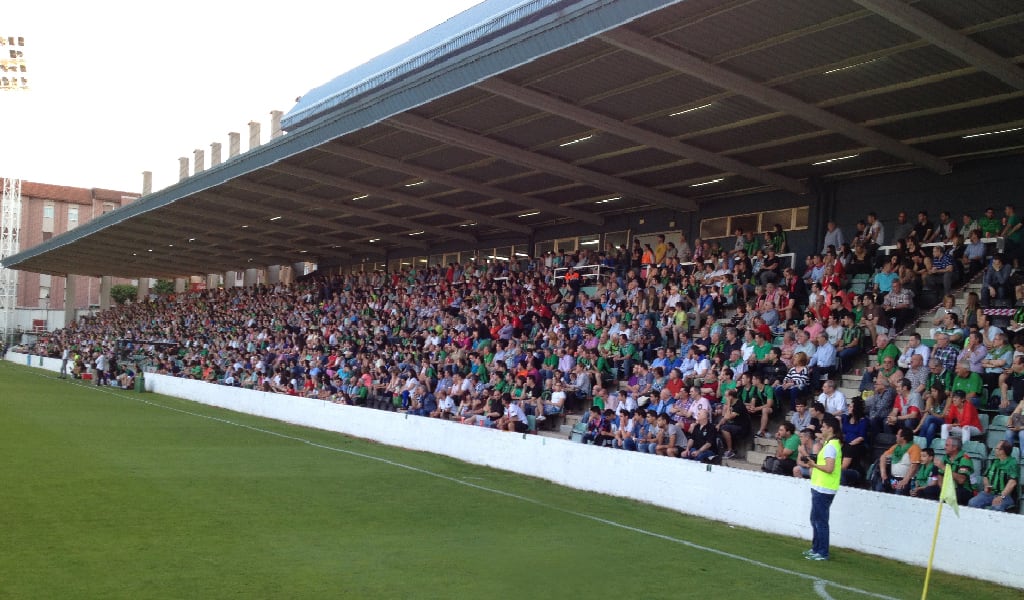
{"x": 571, "y": 419}
{"x": 765, "y": 445}
{"x": 757, "y": 458}
{"x": 739, "y": 463}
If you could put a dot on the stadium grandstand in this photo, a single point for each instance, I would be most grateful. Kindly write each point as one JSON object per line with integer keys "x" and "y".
{"x": 569, "y": 217}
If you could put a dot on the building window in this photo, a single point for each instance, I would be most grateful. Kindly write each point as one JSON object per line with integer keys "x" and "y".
{"x": 107, "y": 207}
{"x": 789, "y": 218}
{"x": 72, "y": 217}
{"x": 48, "y": 217}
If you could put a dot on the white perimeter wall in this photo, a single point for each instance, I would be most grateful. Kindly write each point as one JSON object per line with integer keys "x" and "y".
{"x": 983, "y": 544}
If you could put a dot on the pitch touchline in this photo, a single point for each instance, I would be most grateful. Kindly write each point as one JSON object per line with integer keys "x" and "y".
{"x": 819, "y": 583}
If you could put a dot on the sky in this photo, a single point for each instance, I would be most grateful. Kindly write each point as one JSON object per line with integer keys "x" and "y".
{"x": 119, "y": 88}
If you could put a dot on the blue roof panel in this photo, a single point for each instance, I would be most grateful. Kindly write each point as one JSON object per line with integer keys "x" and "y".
{"x": 493, "y": 26}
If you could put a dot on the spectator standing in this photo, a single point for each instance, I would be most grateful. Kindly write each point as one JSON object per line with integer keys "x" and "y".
{"x": 833, "y": 237}
{"x": 996, "y": 282}
{"x": 825, "y": 474}
{"x": 989, "y": 224}
{"x": 1012, "y": 232}
{"x": 902, "y": 229}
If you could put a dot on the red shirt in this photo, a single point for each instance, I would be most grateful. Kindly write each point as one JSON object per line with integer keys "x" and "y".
{"x": 965, "y": 415}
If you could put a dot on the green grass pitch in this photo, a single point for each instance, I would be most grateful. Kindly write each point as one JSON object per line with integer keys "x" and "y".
{"x": 112, "y": 494}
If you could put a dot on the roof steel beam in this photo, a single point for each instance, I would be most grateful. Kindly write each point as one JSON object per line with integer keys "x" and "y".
{"x": 300, "y": 217}
{"x": 458, "y": 182}
{"x": 934, "y": 31}
{"x": 484, "y": 145}
{"x": 596, "y": 120}
{"x": 688, "y": 64}
{"x": 362, "y": 213}
{"x": 395, "y": 196}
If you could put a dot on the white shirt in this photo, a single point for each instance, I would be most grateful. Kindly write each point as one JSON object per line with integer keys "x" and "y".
{"x": 835, "y": 403}
{"x": 515, "y": 413}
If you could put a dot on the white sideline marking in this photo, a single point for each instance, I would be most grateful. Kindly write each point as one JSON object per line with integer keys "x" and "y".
{"x": 818, "y": 583}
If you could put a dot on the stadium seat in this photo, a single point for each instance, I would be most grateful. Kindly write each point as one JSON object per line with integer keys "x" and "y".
{"x": 859, "y": 283}
{"x": 996, "y": 430}
{"x": 921, "y": 441}
{"x": 979, "y": 454}
{"x": 984, "y": 419}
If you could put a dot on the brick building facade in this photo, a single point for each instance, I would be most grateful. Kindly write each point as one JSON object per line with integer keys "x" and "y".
{"x": 48, "y": 211}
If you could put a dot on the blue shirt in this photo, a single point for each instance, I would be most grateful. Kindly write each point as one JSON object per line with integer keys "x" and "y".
{"x": 824, "y": 356}
{"x": 884, "y": 280}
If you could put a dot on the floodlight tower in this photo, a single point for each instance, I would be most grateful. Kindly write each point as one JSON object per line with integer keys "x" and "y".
{"x": 13, "y": 79}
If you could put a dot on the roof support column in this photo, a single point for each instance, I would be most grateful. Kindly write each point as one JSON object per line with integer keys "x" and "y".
{"x": 69, "y": 300}
{"x": 251, "y": 277}
{"x": 143, "y": 292}
{"x": 274, "y": 274}
{"x": 105, "y": 292}
{"x": 215, "y": 154}
{"x": 212, "y": 281}
{"x": 234, "y": 144}
{"x": 147, "y": 183}
{"x": 180, "y": 285}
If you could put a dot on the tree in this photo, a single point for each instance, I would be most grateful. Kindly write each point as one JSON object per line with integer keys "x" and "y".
{"x": 123, "y": 293}
{"x": 163, "y": 287}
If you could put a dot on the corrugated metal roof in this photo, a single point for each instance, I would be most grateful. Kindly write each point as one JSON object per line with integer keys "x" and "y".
{"x": 489, "y": 25}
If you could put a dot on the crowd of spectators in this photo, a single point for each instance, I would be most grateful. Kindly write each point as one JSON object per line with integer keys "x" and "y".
{"x": 679, "y": 349}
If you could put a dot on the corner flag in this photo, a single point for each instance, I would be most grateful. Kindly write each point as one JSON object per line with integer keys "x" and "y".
{"x": 948, "y": 494}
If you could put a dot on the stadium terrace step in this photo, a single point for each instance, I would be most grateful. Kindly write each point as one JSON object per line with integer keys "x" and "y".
{"x": 740, "y": 463}
{"x": 850, "y": 392}
{"x": 765, "y": 445}
{"x": 756, "y": 458}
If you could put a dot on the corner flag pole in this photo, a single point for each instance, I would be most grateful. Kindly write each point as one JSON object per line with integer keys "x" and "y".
{"x": 946, "y": 496}
{"x": 931, "y": 555}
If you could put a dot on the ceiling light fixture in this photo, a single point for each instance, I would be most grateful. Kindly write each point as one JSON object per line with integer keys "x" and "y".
{"x": 529, "y": 214}
{"x": 974, "y": 135}
{"x": 415, "y": 183}
{"x": 467, "y": 225}
{"x": 689, "y": 110}
{"x": 191, "y": 240}
{"x": 708, "y": 182}
{"x": 607, "y": 200}
{"x": 364, "y": 196}
{"x": 274, "y": 218}
{"x": 825, "y": 162}
{"x": 860, "y": 64}
{"x": 417, "y": 233}
{"x": 372, "y": 240}
{"x": 576, "y": 141}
